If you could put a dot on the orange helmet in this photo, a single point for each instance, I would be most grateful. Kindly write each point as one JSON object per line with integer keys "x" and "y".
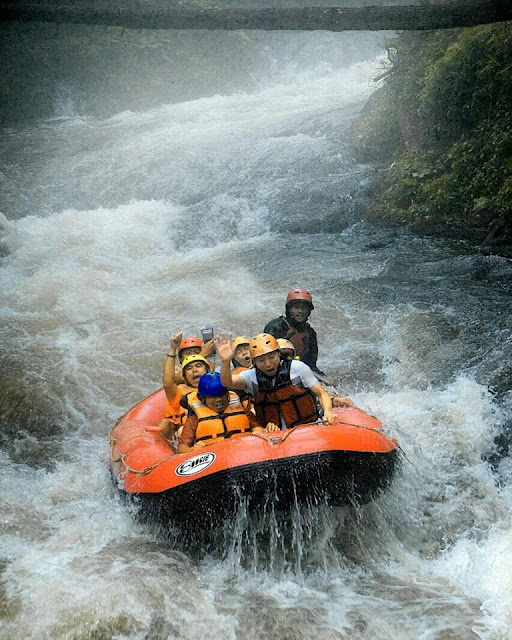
{"x": 191, "y": 341}
{"x": 240, "y": 340}
{"x": 263, "y": 343}
{"x": 285, "y": 344}
{"x": 299, "y": 294}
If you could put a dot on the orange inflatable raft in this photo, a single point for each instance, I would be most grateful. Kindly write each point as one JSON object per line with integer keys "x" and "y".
{"x": 346, "y": 463}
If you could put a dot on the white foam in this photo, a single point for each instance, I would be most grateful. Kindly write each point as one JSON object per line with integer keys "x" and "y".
{"x": 483, "y": 570}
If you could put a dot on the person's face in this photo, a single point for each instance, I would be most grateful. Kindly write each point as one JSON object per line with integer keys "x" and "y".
{"x": 268, "y": 363}
{"x": 217, "y": 403}
{"x": 287, "y": 354}
{"x": 193, "y": 372}
{"x": 299, "y": 310}
{"x": 189, "y": 351}
{"x": 243, "y": 355}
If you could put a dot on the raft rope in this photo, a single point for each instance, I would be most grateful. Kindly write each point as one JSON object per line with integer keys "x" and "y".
{"x": 351, "y": 424}
{"x": 138, "y": 472}
{"x": 143, "y": 472}
{"x": 280, "y": 439}
{"x": 275, "y": 439}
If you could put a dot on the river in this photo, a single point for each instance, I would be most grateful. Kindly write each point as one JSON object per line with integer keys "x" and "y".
{"x": 117, "y": 232}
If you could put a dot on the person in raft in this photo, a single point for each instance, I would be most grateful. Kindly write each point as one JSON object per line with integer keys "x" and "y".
{"x": 284, "y": 391}
{"x": 242, "y": 361}
{"x": 192, "y": 346}
{"x": 193, "y": 367}
{"x": 287, "y": 349}
{"x": 294, "y": 326}
{"x": 242, "y": 358}
{"x": 215, "y": 413}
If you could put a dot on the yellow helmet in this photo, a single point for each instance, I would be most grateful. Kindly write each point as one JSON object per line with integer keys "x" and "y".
{"x": 240, "y": 340}
{"x": 263, "y": 343}
{"x": 285, "y": 344}
{"x": 196, "y": 357}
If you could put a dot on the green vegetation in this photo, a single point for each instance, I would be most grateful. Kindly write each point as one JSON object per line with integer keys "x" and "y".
{"x": 441, "y": 128}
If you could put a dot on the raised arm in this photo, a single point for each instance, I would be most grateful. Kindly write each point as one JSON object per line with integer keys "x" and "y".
{"x": 208, "y": 348}
{"x": 169, "y": 382}
{"x": 226, "y": 353}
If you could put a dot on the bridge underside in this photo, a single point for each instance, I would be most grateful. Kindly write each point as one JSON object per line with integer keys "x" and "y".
{"x": 465, "y": 13}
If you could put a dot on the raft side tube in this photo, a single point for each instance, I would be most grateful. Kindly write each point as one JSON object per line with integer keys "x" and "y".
{"x": 332, "y": 478}
{"x": 152, "y": 469}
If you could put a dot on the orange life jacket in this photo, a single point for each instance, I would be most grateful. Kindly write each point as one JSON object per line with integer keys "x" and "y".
{"x": 238, "y": 370}
{"x": 213, "y": 426}
{"x": 176, "y": 412}
{"x": 279, "y": 397}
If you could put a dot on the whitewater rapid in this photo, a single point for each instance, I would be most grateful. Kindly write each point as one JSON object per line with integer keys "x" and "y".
{"x": 115, "y": 234}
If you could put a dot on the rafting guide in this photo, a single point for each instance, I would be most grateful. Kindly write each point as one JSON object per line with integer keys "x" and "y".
{"x": 294, "y": 326}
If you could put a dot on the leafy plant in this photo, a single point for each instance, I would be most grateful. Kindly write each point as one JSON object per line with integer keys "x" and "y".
{"x": 442, "y": 128}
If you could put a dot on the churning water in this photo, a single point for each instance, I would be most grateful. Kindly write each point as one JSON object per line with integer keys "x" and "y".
{"x": 115, "y": 234}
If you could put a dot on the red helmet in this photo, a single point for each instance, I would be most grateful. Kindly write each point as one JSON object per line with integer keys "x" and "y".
{"x": 299, "y": 294}
{"x": 192, "y": 341}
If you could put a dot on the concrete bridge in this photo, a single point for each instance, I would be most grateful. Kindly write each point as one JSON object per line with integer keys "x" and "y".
{"x": 444, "y": 15}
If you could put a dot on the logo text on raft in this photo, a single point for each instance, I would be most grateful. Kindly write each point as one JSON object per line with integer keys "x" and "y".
{"x": 196, "y": 464}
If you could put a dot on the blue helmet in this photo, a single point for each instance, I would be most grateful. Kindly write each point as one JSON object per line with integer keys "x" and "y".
{"x": 210, "y": 385}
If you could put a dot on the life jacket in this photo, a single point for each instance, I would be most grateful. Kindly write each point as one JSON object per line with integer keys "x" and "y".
{"x": 213, "y": 426}
{"x": 238, "y": 369}
{"x": 279, "y": 397}
{"x": 301, "y": 336}
{"x": 298, "y": 339}
{"x": 177, "y": 412}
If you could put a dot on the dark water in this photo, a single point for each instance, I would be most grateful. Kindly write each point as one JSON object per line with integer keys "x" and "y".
{"x": 116, "y": 233}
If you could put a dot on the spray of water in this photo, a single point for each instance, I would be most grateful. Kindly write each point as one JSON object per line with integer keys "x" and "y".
{"x": 117, "y": 233}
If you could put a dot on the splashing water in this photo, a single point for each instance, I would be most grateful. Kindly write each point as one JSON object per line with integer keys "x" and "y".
{"x": 117, "y": 233}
